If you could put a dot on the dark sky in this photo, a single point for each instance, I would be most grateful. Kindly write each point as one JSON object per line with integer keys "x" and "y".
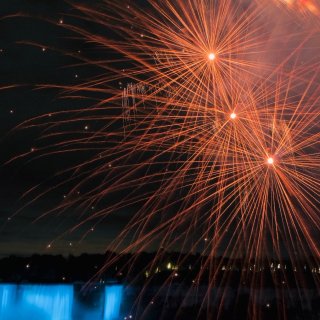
{"x": 26, "y": 66}
{"x": 34, "y": 51}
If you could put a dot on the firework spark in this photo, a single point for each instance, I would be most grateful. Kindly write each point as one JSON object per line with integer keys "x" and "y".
{"x": 207, "y": 139}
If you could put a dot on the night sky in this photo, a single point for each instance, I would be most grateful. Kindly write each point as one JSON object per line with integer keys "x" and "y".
{"x": 25, "y": 66}
{"x": 35, "y": 49}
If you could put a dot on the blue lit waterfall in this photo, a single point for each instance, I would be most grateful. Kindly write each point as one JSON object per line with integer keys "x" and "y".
{"x": 7, "y": 299}
{"x": 113, "y": 298}
{"x": 57, "y": 302}
{"x": 54, "y": 301}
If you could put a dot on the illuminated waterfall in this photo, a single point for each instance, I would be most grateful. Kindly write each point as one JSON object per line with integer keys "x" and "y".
{"x": 113, "y": 299}
{"x": 55, "y": 301}
{"x": 7, "y": 299}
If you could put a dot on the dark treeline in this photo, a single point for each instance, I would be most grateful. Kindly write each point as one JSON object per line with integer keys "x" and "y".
{"x": 133, "y": 268}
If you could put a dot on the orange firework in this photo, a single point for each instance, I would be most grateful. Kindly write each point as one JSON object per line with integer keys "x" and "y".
{"x": 301, "y": 9}
{"x": 303, "y": 5}
{"x": 216, "y": 144}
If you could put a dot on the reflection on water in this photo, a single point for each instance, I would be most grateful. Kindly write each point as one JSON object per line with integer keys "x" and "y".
{"x": 56, "y": 302}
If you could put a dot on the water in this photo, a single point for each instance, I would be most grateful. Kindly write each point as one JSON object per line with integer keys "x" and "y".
{"x": 57, "y": 302}
{"x": 7, "y": 299}
{"x": 113, "y": 298}
{"x": 116, "y": 302}
{"x": 54, "y": 301}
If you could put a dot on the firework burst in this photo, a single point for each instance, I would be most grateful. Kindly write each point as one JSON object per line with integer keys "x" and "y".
{"x": 217, "y": 148}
